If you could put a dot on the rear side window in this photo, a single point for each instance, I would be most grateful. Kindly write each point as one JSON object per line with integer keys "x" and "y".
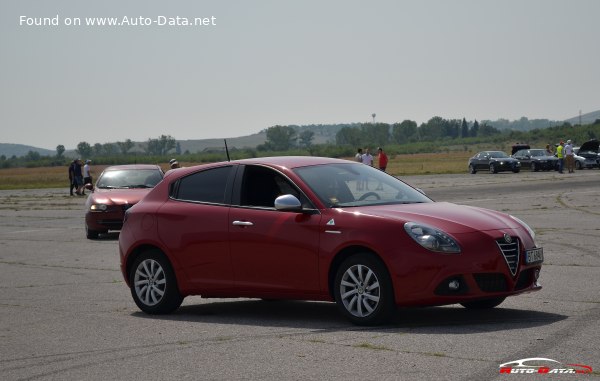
{"x": 206, "y": 186}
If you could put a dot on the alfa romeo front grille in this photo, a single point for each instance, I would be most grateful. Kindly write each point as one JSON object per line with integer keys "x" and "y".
{"x": 510, "y": 251}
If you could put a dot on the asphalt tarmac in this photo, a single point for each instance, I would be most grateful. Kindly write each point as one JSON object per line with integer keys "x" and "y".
{"x": 66, "y": 313}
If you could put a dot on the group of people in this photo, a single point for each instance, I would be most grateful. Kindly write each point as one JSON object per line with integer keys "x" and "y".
{"x": 565, "y": 153}
{"x": 79, "y": 176}
{"x": 366, "y": 158}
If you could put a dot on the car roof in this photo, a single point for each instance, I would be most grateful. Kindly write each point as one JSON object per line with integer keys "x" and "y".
{"x": 279, "y": 162}
{"x": 131, "y": 166}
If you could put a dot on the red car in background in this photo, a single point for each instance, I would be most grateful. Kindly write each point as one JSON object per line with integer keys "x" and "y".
{"x": 319, "y": 229}
{"x": 118, "y": 188}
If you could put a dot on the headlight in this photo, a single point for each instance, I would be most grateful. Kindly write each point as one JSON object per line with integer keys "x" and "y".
{"x": 98, "y": 207}
{"x": 431, "y": 238}
{"x": 529, "y": 230}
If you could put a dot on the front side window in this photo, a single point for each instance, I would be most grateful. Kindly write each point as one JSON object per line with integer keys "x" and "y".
{"x": 206, "y": 186}
{"x": 262, "y": 185}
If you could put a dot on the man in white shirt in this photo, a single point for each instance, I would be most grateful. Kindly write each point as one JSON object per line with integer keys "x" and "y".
{"x": 570, "y": 156}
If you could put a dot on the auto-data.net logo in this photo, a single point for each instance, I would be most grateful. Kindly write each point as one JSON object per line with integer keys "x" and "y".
{"x": 538, "y": 365}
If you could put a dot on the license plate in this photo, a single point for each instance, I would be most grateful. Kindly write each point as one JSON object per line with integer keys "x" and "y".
{"x": 534, "y": 256}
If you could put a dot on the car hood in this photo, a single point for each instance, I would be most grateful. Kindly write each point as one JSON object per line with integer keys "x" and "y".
{"x": 451, "y": 218}
{"x": 119, "y": 196}
{"x": 591, "y": 145}
{"x": 503, "y": 159}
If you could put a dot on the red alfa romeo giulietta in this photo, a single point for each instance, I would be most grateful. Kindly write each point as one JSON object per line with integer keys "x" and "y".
{"x": 325, "y": 229}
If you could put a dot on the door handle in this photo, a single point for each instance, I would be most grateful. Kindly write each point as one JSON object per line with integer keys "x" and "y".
{"x": 242, "y": 223}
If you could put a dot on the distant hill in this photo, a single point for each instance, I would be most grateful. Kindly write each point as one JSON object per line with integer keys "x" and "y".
{"x": 10, "y": 150}
{"x": 322, "y": 134}
{"x": 588, "y": 118}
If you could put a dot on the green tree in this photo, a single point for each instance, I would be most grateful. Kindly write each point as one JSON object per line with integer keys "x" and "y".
{"x": 376, "y": 133}
{"x": 464, "y": 129}
{"x": 306, "y": 138}
{"x": 84, "y": 149}
{"x": 98, "y": 150}
{"x": 280, "y": 138}
{"x": 60, "y": 150}
{"x": 349, "y": 136}
{"x": 475, "y": 129}
{"x": 109, "y": 149}
{"x": 404, "y": 132}
{"x": 160, "y": 146}
{"x": 33, "y": 156}
{"x": 125, "y": 146}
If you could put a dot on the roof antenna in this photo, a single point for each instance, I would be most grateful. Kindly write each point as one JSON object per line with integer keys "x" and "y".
{"x": 226, "y": 150}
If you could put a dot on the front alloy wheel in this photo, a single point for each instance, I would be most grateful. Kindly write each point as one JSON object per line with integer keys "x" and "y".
{"x": 493, "y": 168}
{"x": 153, "y": 284}
{"x": 363, "y": 290}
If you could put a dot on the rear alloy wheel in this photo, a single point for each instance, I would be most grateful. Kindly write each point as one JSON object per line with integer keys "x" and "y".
{"x": 363, "y": 290}
{"x": 483, "y": 304}
{"x": 153, "y": 284}
{"x": 493, "y": 168}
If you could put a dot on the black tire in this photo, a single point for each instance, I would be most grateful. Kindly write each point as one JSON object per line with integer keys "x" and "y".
{"x": 516, "y": 170}
{"x": 363, "y": 290}
{"x": 483, "y": 304}
{"x": 91, "y": 234}
{"x": 472, "y": 169}
{"x": 153, "y": 284}
{"x": 578, "y": 165}
{"x": 493, "y": 169}
{"x": 534, "y": 167}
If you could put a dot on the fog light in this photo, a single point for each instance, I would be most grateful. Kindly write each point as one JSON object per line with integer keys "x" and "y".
{"x": 454, "y": 285}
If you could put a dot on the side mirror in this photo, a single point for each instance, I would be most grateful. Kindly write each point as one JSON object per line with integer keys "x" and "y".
{"x": 288, "y": 203}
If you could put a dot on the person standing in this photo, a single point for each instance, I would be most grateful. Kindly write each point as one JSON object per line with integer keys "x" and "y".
{"x": 72, "y": 184}
{"x": 560, "y": 156}
{"x": 382, "y": 159}
{"x": 367, "y": 159}
{"x": 78, "y": 176}
{"x": 549, "y": 150}
{"x": 87, "y": 174}
{"x": 569, "y": 156}
{"x": 358, "y": 156}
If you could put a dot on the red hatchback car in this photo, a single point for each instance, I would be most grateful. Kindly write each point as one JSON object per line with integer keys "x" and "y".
{"x": 118, "y": 188}
{"x": 319, "y": 229}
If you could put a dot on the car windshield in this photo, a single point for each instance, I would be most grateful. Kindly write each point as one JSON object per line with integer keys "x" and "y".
{"x": 538, "y": 152}
{"x": 349, "y": 185}
{"x": 129, "y": 178}
{"x": 497, "y": 154}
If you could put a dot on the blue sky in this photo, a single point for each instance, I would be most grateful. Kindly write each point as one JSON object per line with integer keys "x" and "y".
{"x": 288, "y": 62}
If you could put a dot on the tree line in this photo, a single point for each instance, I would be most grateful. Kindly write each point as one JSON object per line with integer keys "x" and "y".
{"x": 437, "y": 135}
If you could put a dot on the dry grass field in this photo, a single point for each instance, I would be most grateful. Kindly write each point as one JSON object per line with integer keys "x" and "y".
{"x": 399, "y": 165}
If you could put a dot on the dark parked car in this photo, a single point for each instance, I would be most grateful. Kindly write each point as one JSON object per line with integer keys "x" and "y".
{"x": 494, "y": 161}
{"x": 536, "y": 159}
{"x": 319, "y": 229}
{"x": 587, "y": 155}
{"x": 118, "y": 188}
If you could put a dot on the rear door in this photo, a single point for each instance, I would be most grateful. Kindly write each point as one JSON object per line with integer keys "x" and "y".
{"x": 196, "y": 224}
